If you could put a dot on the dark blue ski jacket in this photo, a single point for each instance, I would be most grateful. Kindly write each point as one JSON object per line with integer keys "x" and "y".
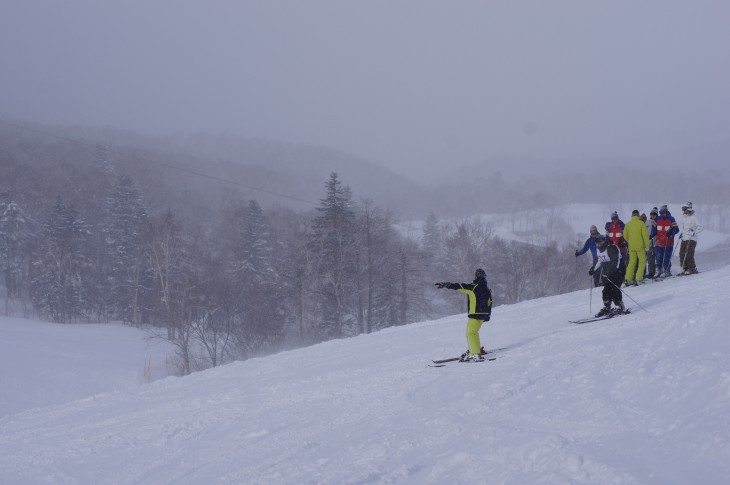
{"x": 590, "y": 245}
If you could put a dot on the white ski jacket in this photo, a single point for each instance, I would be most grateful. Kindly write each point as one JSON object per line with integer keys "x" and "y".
{"x": 690, "y": 227}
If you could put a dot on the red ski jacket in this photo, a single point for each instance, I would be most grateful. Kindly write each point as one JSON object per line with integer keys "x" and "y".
{"x": 615, "y": 232}
{"x": 666, "y": 228}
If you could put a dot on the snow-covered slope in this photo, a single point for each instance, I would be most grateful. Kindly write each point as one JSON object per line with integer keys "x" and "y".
{"x": 644, "y": 398}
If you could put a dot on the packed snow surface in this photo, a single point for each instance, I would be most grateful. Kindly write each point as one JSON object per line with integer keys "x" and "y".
{"x": 639, "y": 399}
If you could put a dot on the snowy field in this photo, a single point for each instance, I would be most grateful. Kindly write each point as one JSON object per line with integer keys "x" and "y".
{"x": 639, "y": 399}
{"x": 46, "y": 363}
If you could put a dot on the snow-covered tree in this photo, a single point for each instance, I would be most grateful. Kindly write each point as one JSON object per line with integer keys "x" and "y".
{"x": 432, "y": 245}
{"x": 60, "y": 286}
{"x": 123, "y": 228}
{"x": 16, "y": 233}
{"x": 257, "y": 282}
{"x": 173, "y": 284}
{"x": 380, "y": 252}
{"x": 334, "y": 244}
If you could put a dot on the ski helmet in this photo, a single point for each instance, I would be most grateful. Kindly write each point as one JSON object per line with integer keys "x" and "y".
{"x": 600, "y": 241}
{"x": 687, "y": 206}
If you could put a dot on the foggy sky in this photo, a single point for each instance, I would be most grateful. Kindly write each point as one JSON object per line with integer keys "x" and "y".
{"x": 416, "y": 85}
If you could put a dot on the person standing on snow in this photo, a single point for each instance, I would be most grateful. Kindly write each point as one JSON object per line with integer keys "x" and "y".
{"x": 666, "y": 228}
{"x": 690, "y": 229}
{"x": 651, "y": 252}
{"x": 590, "y": 245}
{"x": 479, "y": 303}
{"x": 607, "y": 267}
{"x": 615, "y": 232}
{"x": 638, "y": 238}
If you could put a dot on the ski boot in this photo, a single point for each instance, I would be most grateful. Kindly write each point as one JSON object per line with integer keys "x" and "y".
{"x": 619, "y": 310}
{"x": 471, "y": 358}
{"x": 604, "y": 311}
{"x": 481, "y": 352}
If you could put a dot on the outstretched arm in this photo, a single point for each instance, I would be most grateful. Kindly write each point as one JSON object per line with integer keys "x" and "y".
{"x": 456, "y": 286}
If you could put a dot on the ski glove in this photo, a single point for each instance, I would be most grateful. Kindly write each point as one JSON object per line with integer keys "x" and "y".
{"x": 591, "y": 271}
{"x": 577, "y": 253}
{"x": 442, "y": 285}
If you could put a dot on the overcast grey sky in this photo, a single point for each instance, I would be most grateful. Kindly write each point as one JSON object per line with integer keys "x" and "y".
{"x": 417, "y": 85}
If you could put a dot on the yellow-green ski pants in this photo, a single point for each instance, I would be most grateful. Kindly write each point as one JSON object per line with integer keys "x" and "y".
{"x": 637, "y": 263}
{"x": 472, "y": 335}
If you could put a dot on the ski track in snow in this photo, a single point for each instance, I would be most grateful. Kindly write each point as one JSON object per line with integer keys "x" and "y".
{"x": 643, "y": 398}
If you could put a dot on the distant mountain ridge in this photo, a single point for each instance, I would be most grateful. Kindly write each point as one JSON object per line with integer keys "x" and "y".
{"x": 293, "y": 174}
{"x": 270, "y": 171}
{"x": 307, "y": 166}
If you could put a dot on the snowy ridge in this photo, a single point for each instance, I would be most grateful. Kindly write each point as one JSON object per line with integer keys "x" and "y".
{"x": 644, "y": 398}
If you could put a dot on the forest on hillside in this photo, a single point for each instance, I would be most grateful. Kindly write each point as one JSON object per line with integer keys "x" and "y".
{"x": 90, "y": 232}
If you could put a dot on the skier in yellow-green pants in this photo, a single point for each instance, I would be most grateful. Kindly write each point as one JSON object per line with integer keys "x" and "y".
{"x": 638, "y": 237}
{"x": 480, "y": 309}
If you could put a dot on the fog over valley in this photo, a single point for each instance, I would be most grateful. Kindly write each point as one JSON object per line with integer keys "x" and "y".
{"x": 427, "y": 89}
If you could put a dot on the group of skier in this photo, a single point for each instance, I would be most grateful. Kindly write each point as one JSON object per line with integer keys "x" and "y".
{"x": 625, "y": 254}
{"x": 641, "y": 248}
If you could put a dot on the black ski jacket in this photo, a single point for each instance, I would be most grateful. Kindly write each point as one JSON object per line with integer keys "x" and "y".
{"x": 479, "y": 297}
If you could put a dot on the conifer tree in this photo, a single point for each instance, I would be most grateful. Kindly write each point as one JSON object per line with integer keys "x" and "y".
{"x": 123, "y": 229}
{"x": 16, "y": 233}
{"x": 60, "y": 287}
{"x": 334, "y": 243}
{"x": 255, "y": 277}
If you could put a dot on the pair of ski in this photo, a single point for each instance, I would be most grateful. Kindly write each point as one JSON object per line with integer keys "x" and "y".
{"x": 657, "y": 279}
{"x": 596, "y": 319}
{"x": 488, "y": 357}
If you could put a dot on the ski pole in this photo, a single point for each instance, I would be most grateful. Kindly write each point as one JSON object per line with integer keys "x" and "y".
{"x": 622, "y": 291}
{"x": 674, "y": 251}
{"x": 593, "y": 282}
{"x": 684, "y": 255}
{"x": 590, "y": 302}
